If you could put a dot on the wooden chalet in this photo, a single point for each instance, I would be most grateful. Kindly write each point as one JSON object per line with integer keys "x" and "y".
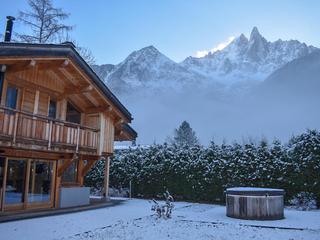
{"x": 57, "y": 118}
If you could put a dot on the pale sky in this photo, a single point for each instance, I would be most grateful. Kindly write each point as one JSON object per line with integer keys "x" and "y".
{"x": 112, "y": 29}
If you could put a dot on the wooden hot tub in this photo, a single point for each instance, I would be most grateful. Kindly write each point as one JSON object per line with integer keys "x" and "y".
{"x": 255, "y": 203}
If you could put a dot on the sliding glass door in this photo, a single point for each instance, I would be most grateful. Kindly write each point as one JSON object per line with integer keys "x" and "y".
{"x": 2, "y": 169}
{"x": 40, "y": 183}
{"x": 28, "y": 183}
{"x": 15, "y": 182}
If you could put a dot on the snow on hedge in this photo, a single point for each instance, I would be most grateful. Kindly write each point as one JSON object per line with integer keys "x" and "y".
{"x": 201, "y": 173}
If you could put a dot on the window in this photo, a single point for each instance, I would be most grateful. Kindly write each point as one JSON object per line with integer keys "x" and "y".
{"x": 73, "y": 115}
{"x": 12, "y": 93}
{"x": 70, "y": 174}
{"x": 52, "y": 109}
{"x": 1, "y": 83}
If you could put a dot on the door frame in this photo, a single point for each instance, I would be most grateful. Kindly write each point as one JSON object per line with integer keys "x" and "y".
{"x": 15, "y": 206}
{"x": 3, "y": 187}
{"x": 25, "y": 204}
{"x": 35, "y": 205}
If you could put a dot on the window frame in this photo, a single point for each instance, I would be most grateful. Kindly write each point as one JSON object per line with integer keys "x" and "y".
{"x": 55, "y": 106}
{"x": 69, "y": 103}
{"x": 9, "y": 87}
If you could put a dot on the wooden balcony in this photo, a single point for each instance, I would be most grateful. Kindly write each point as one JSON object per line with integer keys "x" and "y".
{"x": 29, "y": 131}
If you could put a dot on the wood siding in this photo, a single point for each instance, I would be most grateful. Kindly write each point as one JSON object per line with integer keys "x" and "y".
{"x": 38, "y": 81}
{"x": 43, "y": 105}
{"x": 255, "y": 207}
{"x": 28, "y": 100}
{"x": 108, "y": 134}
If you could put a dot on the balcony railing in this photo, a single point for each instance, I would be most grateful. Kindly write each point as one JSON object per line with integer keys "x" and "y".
{"x": 22, "y": 127}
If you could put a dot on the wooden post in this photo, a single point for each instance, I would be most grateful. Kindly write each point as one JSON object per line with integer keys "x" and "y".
{"x": 33, "y": 177}
{"x": 53, "y": 183}
{"x": 102, "y": 129}
{"x": 4, "y": 92}
{"x": 62, "y": 109}
{"x": 78, "y": 139}
{"x": 35, "y": 111}
{"x": 57, "y": 186}
{"x": 50, "y": 135}
{"x": 4, "y": 183}
{"x": 15, "y": 127}
{"x": 26, "y": 189}
{"x": 36, "y": 102}
{"x": 80, "y": 171}
{"x": 106, "y": 177}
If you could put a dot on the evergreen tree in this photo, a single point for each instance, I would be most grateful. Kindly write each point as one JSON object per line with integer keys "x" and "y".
{"x": 184, "y": 135}
{"x": 202, "y": 173}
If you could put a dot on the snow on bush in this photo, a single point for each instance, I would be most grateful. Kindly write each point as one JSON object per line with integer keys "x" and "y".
{"x": 304, "y": 201}
{"x": 199, "y": 173}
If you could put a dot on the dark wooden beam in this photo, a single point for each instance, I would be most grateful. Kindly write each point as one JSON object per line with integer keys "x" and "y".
{"x": 22, "y": 153}
{"x": 52, "y": 65}
{"x": 87, "y": 167}
{"x": 90, "y": 157}
{"x": 65, "y": 166}
{"x": 99, "y": 109}
{"x": 24, "y": 66}
{"x": 77, "y": 90}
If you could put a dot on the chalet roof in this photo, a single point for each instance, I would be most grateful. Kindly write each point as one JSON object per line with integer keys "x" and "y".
{"x": 126, "y": 127}
{"x": 11, "y": 49}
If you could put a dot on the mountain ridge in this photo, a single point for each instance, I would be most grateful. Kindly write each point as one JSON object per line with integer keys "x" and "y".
{"x": 243, "y": 60}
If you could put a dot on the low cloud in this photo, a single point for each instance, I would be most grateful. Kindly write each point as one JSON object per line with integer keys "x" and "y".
{"x": 219, "y": 47}
{"x": 200, "y": 54}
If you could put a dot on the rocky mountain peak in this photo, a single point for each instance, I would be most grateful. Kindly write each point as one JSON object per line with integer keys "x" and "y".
{"x": 243, "y": 38}
{"x": 255, "y": 34}
{"x": 149, "y": 50}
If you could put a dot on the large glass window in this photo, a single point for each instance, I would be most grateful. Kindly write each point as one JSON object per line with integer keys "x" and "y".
{"x": 12, "y": 93}
{"x": 16, "y": 173}
{"x": 73, "y": 115}
{"x": 70, "y": 174}
{"x": 40, "y": 182}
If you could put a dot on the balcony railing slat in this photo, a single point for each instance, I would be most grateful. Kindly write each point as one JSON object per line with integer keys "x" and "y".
{"x": 18, "y": 124}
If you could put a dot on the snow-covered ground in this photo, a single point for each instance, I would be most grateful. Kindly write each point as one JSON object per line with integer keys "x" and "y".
{"x": 133, "y": 220}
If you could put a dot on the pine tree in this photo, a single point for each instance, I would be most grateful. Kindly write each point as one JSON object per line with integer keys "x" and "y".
{"x": 184, "y": 135}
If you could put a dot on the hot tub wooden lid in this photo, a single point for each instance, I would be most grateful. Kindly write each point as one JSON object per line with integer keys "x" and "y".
{"x": 253, "y": 191}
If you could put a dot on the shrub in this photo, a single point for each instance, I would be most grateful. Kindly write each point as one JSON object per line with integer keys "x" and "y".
{"x": 304, "y": 201}
{"x": 200, "y": 173}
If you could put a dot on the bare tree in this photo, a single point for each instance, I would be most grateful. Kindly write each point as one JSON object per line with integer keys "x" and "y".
{"x": 45, "y": 22}
{"x": 86, "y": 54}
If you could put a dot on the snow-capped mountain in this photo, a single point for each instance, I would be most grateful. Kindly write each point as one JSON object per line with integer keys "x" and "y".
{"x": 147, "y": 67}
{"x": 243, "y": 60}
{"x": 250, "y": 87}
{"x": 248, "y": 59}
{"x": 103, "y": 70}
